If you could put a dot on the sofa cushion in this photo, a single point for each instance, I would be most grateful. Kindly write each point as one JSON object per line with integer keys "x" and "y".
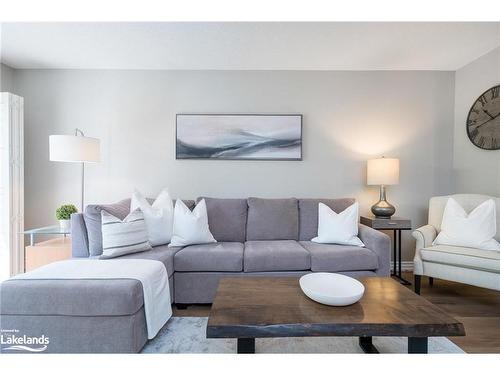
{"x": 272, "y": 219}
{"x": 162, "y": 253}
{"x": 93, "y": 221}
{"x": 220, "y": 256}
{"x": 308, "y": 214}
{"x": 485, "y": 260}
{"x": 284, "y": 255}
{"x": 336, "y": 258}
{"x": 227, "y": 218}
{"x": 111, "y": 297}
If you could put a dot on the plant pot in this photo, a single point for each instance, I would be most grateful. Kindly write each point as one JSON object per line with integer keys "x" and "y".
{"x": 65, "y": 224}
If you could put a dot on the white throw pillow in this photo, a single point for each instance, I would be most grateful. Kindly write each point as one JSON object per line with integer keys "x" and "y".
{"x": 339, "y": 228}
{"x": 159, "y": 216}
{"x": 190, "y": 228}
{"x": 475, "y": 230}
{"x": 120, "y": 237}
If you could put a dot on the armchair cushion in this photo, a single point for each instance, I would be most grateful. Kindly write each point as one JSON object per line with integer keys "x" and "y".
{"x": 484, "y": 260}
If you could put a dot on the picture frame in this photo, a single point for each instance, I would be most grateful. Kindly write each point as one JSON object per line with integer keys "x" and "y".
{"x": 239, "y": 136}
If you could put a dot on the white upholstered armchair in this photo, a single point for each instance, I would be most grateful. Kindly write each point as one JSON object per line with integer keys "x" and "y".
{"x": 461, "y": 264}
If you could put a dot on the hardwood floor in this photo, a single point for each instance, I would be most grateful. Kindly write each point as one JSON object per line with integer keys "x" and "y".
{"x": 193, "y": 310}
{"x": 477, "y": 308}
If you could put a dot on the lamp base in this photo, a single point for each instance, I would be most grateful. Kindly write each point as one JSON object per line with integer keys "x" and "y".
{"x": 383, "y": 209}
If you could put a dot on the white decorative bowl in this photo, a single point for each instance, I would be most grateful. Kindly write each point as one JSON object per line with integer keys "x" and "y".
{"x": 331, "y": 288}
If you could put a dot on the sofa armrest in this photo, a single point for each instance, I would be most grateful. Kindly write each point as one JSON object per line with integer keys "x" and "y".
{"x": 380, "y": 244}
{"x": 424, "y": 236}
{"x": 79, "y": 239}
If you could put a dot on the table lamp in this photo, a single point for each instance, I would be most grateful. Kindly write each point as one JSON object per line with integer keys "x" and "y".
{"x": 383, "y": 172}
{"x": 75, "y": 149}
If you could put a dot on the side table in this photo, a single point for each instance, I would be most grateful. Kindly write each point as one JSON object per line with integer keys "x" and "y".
{"x": 45, "y": 252}
{"x": 396, "y": 224}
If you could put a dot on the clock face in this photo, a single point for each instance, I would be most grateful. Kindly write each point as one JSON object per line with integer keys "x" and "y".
{"x": 483, "y": 122}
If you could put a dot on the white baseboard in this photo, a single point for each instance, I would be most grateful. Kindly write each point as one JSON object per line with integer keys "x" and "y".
{"x": 405, "y": 265}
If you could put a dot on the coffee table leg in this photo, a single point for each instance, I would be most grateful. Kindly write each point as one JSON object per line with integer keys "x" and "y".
{"x": 417, "y": 345}
{"x": 246, "y": 346}
{"x": 367, "y": 345}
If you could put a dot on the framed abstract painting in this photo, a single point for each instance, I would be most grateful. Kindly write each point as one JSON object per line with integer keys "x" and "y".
{"x": 239, "y": 136}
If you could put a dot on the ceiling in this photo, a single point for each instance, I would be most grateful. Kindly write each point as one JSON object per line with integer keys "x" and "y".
{"x": 247, "y": 46}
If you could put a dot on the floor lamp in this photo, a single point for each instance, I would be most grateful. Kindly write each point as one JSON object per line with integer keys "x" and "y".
{"x": 75, "y": 149}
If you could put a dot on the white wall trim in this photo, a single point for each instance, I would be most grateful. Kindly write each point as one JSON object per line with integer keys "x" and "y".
{"x": 406, "y": 265}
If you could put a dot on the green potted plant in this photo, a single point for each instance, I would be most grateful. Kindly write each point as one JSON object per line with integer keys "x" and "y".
{"x": 63, "y": 214}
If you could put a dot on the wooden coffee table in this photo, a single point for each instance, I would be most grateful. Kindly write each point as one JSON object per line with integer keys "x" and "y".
{"x": 249, "y": 308}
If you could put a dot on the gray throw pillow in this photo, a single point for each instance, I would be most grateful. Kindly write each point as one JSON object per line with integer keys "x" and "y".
{"x": 93, "y": 222}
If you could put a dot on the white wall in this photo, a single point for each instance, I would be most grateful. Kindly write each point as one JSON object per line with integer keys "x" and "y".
{"x": 6, "y": 78}
{"x": 475, "y": 170}
{"x": 348, "y": 118}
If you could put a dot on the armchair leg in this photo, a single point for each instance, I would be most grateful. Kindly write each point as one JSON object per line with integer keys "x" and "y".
{"x": 417, "y": 283}
{"x": 431, "y": 281}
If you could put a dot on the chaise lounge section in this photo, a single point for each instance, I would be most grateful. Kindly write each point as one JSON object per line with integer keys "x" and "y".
{"x": 256, "y": 237}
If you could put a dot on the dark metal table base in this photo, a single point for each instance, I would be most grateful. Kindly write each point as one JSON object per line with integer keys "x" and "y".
{"x": 416, "y": 345}
{"x": 396, "y": 247}
{"x": 367, "y": 345}
{"x": 246, "y": 346}
{"x": 400, "y": 279}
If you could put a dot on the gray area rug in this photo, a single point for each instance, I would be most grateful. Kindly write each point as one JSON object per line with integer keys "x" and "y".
{"x": 188, "y": 335}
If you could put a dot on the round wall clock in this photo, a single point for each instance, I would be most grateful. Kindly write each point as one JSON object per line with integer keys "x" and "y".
{"x": 483, "y": 121}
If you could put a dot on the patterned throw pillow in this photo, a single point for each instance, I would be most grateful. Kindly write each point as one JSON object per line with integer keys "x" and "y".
{"x": 127, "y": 236}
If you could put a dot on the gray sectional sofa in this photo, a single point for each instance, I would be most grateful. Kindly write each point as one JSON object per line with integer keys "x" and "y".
{"x": 256, "y": 237}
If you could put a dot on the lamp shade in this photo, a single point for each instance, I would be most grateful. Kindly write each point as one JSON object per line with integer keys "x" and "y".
{"x": 72, "y": 148}
{"x": 383, "y": 171}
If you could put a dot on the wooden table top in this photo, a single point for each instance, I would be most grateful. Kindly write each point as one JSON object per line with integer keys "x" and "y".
{"x": 276, "y": 307}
